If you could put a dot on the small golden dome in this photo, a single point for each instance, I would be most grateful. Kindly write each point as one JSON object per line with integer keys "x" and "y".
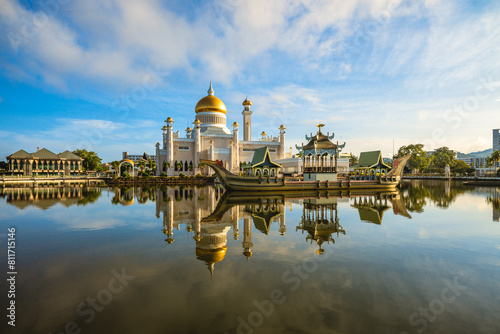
{"x": 263, "y": 133}
{"x": 197, "y": 121}
{"x": 169, "y": 119}
{"x": 247, "y": 102}
{"x": 235, "y": 124}
{"x": 211, "y": 103}
{"x": 188, "y": 129}
{"x": 282, "y": 127}
{"x": 164, "y": 127}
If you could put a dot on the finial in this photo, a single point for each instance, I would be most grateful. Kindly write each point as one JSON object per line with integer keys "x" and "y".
{"x": 210, "y": 89}
{"x": 211, "y": 269}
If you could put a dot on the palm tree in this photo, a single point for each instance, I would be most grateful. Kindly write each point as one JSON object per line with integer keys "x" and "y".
{"x": 153, "y": 166}
{"x": 166, "y": 165}
{"x": 142, "y": 164}
{"x": 116, "y": 166}
{"x": 495, "y": 156}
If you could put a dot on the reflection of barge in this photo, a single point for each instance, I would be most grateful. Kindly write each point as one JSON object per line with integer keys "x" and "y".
{"x": 259, "y": 183}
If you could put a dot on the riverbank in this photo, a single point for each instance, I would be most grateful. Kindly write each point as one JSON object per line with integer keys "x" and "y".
{"x": 161, "y": 180}
{"x": 469, "y": 180}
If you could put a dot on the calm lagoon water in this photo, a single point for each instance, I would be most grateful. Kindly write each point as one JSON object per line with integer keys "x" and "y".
{"x": 194, "y": 260}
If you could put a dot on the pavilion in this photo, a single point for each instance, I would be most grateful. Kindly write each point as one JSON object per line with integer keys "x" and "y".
{"x": 369, "y": 165}
{"x": 44, "y": 162}
{"x": 320, "y": 157}
{"x": 262, "y": 164}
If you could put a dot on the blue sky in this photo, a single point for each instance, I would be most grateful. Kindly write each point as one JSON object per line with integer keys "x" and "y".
{"x": 104, "y": 75}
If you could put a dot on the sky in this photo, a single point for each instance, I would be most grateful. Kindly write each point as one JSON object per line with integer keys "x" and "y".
{"x": 104, "y": 75}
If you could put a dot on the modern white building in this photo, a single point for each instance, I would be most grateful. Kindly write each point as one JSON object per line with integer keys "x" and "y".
{"x": 138, "y": 157}
{"x": 211, "y": 139}
{"x": 496, "y": 139}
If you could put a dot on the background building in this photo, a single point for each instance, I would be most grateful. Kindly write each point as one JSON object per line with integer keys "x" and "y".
{"x": 138, "y": 157}
{"x": 44, "y": 162}
{"x": 496, "y": 139}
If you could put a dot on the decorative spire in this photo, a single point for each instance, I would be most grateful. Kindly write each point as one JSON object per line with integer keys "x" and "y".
{"x": 210, "y": 89}
{"x": 211, "y": 269}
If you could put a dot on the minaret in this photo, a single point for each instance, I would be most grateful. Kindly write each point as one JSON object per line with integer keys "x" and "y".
{"x": 170, "y": 141}
{"x": 247, "y": 238}
{"x": 211, "y": 152}
{"x": 168, "y": 223}
{"x": 281, "y": 153}
{"x": 164, "y": 137}
{"x": 188, "y": 132}
{"x": 235, "y": 218}
{"x": 247, "y": 121}
{"x": 236, "y": 147}
{"x": 159, "y": 162}
{"x": 197, "y": 145}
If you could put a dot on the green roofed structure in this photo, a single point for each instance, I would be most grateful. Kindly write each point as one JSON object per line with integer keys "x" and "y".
{"x": 44, "y": 162}
{"x": 262, "y": 164}
{"x": 369, "y": 165}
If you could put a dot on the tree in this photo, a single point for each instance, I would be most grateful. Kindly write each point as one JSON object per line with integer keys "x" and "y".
{"x": 418, "y": 160}
{"x": 116, "y": 165}
{"x": 495, "y": 156}
{"x": 353, "y": 160}
{"x": 91, "y": 160}
{"x": 166, "y": 165}
{"x": 443, "y": 156}
{"x": 142, "y": 165}
{"x": 462, "y": 167}
{"x": 152, "y": 166}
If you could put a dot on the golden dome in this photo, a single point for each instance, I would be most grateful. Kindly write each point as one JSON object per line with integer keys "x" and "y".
{"x": 247, "y": 102}
{"x": 210, "y": 103}
{"x": 169, "y": 119}
{"x": 164, "y": 127}
{"x": 211, "y": 255}
{"x": 188, "y": 129}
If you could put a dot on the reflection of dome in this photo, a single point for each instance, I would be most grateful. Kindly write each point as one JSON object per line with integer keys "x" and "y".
{"x": 247, "y": 254}
{"x": 211, "y": 103}
{"x": 127, "y": 202}
{"x": 211, "y": 255}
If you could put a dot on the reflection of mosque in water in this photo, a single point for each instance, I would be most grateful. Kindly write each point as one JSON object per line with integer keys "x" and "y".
{"x": 210, "y": 215}
{"x": 46, "y": 197}
{"x": 320, "y": 220}
{"x": 201, "y": 210}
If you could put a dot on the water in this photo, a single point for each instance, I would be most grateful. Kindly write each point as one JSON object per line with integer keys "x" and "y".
{"x": 193, "y": 260}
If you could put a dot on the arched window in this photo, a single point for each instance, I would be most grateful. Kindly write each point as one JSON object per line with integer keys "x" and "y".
{"x": 266, "y": 172}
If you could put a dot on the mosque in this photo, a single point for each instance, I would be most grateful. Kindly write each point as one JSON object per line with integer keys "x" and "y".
{"x": 211, "y": 139}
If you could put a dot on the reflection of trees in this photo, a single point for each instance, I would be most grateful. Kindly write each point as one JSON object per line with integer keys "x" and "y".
{"x": 495, "y": 202}
{"x": 440, "y": 193}
{"x": 89, "y": 196}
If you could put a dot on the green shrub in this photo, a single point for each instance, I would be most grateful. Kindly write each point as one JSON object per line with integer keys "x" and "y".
{"x": 163, "y": 175}
{"x": 182, "y": 175}
{"x": 145, "y": 174}
{"x": 199, "y": 176}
